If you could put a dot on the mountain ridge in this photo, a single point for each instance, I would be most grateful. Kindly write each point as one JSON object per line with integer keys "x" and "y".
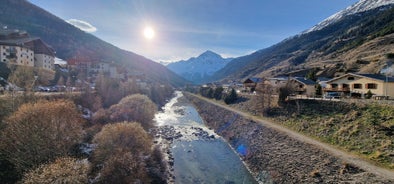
{"x": 197, "y": 69}
{"x": 361, "y": 6}
{"x": 323, "y": 49}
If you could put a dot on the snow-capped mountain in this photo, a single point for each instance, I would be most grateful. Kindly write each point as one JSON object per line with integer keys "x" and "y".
{"x": 196, "y": 69}
{"x": 361, "y": 6}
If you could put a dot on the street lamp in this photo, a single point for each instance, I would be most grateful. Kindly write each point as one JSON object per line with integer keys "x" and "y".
{"x": 387, "y": 72}
{"x": 34, "y": 83}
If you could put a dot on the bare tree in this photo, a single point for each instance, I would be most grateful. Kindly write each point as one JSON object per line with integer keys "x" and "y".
{"x": 265, "y": 95}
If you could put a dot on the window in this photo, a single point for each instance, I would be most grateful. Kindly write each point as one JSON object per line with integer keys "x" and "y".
{"x": 371, "y": 86}
{"x": 350, "y": 78}
{"x": 357, "y": 86}
{"x": 334, "y": 85}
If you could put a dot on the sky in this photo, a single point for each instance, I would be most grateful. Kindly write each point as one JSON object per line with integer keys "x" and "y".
{"x": 180, "y": 29}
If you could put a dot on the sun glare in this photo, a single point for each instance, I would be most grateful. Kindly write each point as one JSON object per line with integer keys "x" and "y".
{"x": 149, "y": 33}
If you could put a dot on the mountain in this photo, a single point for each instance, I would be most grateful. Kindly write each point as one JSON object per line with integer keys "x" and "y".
{"x": 199, "y": 68}
{"x": 70, "y": 42}
{"x": 361, "y": 6}
{"x": 357, "y": 42}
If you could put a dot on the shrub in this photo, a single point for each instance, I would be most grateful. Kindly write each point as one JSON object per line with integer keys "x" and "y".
{"x": 137, "y": 108}
{"x": 120, "y": 137}
{"x": 101, "y": 116}
{"x": 124, "y": 168}
{"x": 284, "y": 92}
{"x": 123, "y": 150}
{"x": 63, "y": 170}
{"x": 217, "y": 94}
{"x": 369, "y": 94}
{"x": 231, "y": 98}
{"x": 40, "y": 132}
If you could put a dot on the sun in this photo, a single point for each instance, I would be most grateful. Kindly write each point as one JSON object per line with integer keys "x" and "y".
{"x": 149, "y": 33}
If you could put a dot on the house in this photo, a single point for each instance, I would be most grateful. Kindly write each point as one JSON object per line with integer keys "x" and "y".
{"x": 322, "y": 81}
{"x": 100, "y": 67}
{"x": 44, "y": 56}
{"x": 277, "y": 82}
{"x": 250, "y": 84}
{"x": 18, "y": 48}
{"x": 357, "y": 85}
{"x": 303, "y": 86}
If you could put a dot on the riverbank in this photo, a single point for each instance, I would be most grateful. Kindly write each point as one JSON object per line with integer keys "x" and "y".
{"x": 274, "y": 155}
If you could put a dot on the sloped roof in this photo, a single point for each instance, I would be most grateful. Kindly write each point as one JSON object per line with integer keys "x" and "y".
{"x": 378, "y": 77}
{"x": 304, "y": 80}
{"x": 253, "y": 80}
{"x": 33, "y": 43}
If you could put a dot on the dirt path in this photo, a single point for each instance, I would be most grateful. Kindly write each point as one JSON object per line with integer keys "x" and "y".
{"x": 357, "y": 161}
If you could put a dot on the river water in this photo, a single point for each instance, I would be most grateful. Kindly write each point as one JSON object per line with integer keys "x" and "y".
{"x": 199, "y": 155}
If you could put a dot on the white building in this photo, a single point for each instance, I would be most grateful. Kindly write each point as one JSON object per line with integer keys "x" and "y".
{"x": 18, "y": 48}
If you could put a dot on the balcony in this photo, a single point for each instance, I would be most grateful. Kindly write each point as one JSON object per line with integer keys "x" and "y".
{"x": 300, "y": 89}
{"x": 337, "y": 89}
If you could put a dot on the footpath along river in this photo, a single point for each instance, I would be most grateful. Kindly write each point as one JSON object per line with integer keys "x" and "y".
{"x": 196, "y": 153}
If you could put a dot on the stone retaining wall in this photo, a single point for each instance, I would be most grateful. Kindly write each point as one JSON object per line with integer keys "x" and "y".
{"x": 275, "y": 157}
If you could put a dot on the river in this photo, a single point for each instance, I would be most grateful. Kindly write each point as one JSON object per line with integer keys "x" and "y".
{"x": 198, "y": 155}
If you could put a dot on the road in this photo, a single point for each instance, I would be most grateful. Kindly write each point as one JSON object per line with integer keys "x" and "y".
{"x": 345, "y": 156}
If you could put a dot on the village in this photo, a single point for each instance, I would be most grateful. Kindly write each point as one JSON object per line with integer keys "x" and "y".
{"x": 18, "y": 48}
{"x": 347, "y": 86}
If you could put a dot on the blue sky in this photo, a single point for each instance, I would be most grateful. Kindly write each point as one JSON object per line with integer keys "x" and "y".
{"x": 186, "y": 28}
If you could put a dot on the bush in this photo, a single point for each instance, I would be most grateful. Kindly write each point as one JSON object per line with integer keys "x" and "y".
{"x": 63, "y": 170}
{"x": 101, "y": 116}
{"x": 124, "y": 168}
{"x": 369, "y": 94}
{"x": 123, "y": 150}
{"x": 40, "y": 132}
{"x": 284, "y": 92}
{"x": 120, "y": 137}
{"x": 217, "y": 94}
{"x": 231, "y": 98}
{"x": 137, "y": 108}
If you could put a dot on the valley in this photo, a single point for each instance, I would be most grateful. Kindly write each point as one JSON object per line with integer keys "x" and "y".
{"x": 196, "y": 91}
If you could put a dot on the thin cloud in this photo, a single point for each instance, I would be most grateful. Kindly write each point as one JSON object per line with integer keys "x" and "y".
{"x": 82, "y": 25}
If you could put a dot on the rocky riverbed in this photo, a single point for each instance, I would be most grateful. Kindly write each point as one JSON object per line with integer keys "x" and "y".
{"x": 166, "y": 135}
{"x": 274, "y": 156}
{"x": 195, "y": 153}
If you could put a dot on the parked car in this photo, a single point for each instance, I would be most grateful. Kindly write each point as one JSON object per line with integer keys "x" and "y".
{"x": 42, "y": 89}
{"x": 332, "y": 95}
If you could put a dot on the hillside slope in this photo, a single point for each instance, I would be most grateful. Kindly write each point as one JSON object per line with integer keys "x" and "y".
{"x": 70, "y": 42}
{"x": 352, "y": 44}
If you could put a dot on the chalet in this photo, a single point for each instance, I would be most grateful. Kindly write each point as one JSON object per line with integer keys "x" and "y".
{"x": 277, "y": 82}
{"x": 357, "y": 85}
{"x": 250, "y": 84}
{"x": 18, "y": 48}
{"x": 303, "y": 86}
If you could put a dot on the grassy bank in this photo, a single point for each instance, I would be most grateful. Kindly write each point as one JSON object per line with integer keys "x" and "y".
{"x": 366, "y": 130}
{"x": 363, "y": 129}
